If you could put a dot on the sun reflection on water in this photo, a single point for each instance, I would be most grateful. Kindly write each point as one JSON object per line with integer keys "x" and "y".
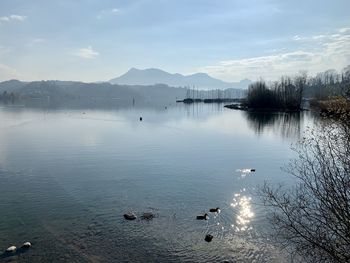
{"x": 243, "y": 205}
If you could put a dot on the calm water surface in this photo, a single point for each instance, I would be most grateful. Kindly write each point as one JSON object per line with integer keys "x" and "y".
{"x": 68, "y": 176}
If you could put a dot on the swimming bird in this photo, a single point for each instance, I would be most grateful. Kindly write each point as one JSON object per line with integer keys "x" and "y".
{"x": 208, "y": 238}
{"x": 130, "y": 216}
{"x": 246, "y": 170}
{"x": 26, "y": 245}
{"x": 214, "y": 210}
{"x": 147, "y": 216}
{"x": 11, "y": 249}
{"x": 202, "y": 217}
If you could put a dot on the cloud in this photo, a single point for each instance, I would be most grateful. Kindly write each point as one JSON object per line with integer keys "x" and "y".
{"x": 7, "y": 72}
{"x": 270, "y": 67}
{"x": 317, "y": 37}
{"x": 87, "y": 53}
{"x": 38, "y": 40}
{"x": 12, "y": 18}
{"x": 4, "y": 18}
{"x": 344, "y": 30}
{"x": 17, "y": 17}
{"x": 4, "y": 50}
{"x": 108, "y": 12}
{"x": 314, "y": 53}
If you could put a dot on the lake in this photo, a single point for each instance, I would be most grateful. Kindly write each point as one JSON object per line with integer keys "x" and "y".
{"x": 68, "y": 176}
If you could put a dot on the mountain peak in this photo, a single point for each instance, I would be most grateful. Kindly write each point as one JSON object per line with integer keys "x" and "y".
{"x": 151, "y": 76}
{"x": 133, "y": 69}
{"x": 200, "y": 74}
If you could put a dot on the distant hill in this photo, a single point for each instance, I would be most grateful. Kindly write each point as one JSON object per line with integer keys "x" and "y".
{"x": 79, "y": 94}
{"x": 154, "y": 76}
{"x": 11, "y": 85}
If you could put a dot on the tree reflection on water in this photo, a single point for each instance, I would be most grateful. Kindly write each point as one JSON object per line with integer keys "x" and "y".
{"x": 286, "y": 124}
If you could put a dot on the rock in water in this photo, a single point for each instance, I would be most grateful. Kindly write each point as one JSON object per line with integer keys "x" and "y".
{"x": 130, "y": 216}
{"x": 26, "y": 245}
{"x": 11, "y": 249}
{"x": 208, "y": 238}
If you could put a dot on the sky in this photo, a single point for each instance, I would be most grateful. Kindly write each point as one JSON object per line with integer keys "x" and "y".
{"x": 96, "y": 40}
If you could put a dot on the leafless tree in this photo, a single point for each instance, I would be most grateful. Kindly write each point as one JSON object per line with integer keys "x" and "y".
{"x": 346, "y": 82}
{"x": 313, "y": 218}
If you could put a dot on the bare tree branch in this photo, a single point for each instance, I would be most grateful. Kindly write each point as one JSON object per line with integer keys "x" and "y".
{"x": 313, "y": 219}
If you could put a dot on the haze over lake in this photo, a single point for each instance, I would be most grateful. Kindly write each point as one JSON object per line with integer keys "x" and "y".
{"x": 174, "y": 131}
{"x": 68, "y": 176}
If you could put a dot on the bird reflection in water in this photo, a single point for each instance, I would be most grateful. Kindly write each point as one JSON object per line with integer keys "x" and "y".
{"x": 244, "y": 211}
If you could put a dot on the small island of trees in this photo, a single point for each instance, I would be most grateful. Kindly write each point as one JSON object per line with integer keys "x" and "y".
{"x": 287, "y": 94}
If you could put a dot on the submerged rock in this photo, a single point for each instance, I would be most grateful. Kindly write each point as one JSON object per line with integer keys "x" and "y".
{"x": 130, "y": 216}
{"x": 208, "y": 238}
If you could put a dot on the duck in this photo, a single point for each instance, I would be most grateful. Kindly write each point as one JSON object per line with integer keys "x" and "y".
{"x": 208, "y": 238}
{"x": 26, "y": 245}
{"x": 130, "y": 216}
{"x": 147, "y": 216}
{"x": 202, "y": 217}
{"x": 11, "y": 249}
{"x": 214, "y": 210}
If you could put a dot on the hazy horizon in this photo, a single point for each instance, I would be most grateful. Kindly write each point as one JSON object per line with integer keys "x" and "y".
{"x": 230, "y": 40}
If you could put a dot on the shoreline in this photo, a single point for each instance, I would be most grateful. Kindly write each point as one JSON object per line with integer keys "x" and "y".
{"x": 246, "y": 108}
